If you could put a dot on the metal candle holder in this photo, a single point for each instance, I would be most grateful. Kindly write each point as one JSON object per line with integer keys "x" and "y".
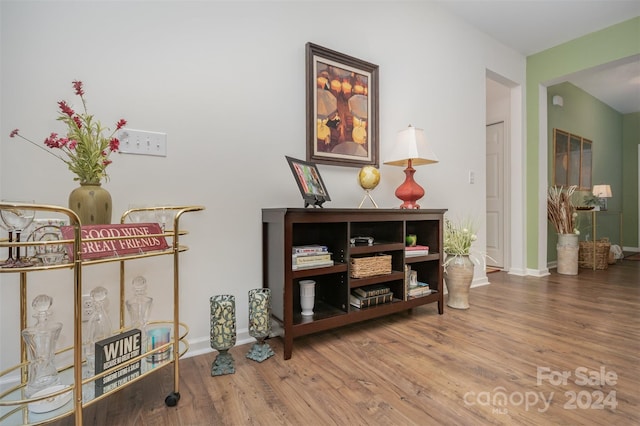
{"x": 260, "y": 323}
{"x": 223, "y": 333}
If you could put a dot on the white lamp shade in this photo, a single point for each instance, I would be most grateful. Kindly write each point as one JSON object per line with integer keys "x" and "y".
{"x": 411, "y": 144}
{"x": 602, "y": 191}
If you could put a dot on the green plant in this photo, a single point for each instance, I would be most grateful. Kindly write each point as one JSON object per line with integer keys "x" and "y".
{"x": 458, "y": 238}
{"x": 86, "y": 147}
{"x": 592, "y": 200}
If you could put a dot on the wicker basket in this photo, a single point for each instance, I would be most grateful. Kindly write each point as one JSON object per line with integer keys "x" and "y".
{"x": 585, "y": 255}
{"x": 362, "y": 267}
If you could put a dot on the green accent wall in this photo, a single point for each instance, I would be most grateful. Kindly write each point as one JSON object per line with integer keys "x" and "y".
{"x": 588, "y": 117}
{"x": 630, "y": 190}
{"x": 600, "y": 47}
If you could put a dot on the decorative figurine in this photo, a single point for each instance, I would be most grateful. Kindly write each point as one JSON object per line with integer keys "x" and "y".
{"x": 223, "y": 333}
{"x": 260, "y": 323}
{"x": 41, "y": 342}
{"x": 368, "y": 178}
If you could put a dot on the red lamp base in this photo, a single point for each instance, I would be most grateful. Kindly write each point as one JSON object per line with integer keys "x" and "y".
{"x": 409, "y": 192}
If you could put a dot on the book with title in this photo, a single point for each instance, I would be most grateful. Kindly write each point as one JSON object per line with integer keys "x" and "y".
{"x": 422, "y": 289}
{"x": 309, "y": 249}
{"x": 365, "y": 302}
{"x": 372, "y": 290}
{"x": 417, "y": 250}
{"x": 310, "y": 265}
{"x": 309, "y": 258}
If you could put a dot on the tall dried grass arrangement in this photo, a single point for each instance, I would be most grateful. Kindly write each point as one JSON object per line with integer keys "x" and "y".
{"x": 560, "y": 209}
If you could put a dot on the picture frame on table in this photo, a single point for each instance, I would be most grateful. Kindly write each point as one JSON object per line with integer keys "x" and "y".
{"x": 342, "y": 108}
{"x": 310, "y": 183}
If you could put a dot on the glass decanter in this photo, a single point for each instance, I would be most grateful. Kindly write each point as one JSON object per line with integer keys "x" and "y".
{"x": 99, "y": 326}
{"x": 139, "y": 307}
{"x": 41, "y": 342}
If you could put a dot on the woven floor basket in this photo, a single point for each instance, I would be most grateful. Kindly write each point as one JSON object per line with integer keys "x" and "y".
{"x": 362, "y": 267}
{"x": 585, "y": 255}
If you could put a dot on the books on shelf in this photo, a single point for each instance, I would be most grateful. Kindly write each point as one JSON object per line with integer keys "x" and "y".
{"x": 315, "y": 264}
{"x": 364, "y": 302}
{"x": 299, "y": 259}
{"x": 422, "y": 289}
{"x": 417, "y": 250}
{"x": 372, "y": 290}
{"x": 310, "y": 257}
{"x": 309, "y": 249}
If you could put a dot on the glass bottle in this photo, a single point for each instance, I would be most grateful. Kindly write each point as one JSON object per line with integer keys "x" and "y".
{"x": 99, "y": 326}
{"x": 139, "y": 307}
{"x": 41, "y": 342}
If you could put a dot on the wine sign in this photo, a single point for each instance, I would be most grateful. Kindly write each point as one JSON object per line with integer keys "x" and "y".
{"x": 144, "y": 237}
{"x": 114, "y": 351}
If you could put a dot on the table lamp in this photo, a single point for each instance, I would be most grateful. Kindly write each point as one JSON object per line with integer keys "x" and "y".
{"x": 410, "y": 149}
{"x": 603, "y": 192}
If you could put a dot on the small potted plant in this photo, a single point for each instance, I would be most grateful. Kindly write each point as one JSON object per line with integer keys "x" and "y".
{"x": 594, "y": 201}
{"x": 459, "y": 261}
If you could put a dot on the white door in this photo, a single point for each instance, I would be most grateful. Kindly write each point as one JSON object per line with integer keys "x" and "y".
{"x": 495, "y": 195}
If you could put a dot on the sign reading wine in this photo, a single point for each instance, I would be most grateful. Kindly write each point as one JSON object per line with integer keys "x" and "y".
{"x": 99, "y": 241}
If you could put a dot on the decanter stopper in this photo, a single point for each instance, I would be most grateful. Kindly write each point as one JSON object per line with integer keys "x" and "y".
{"x": 99, "y": 326}
{"x": 139, "y": 306}
{"x": 41, "y": 342}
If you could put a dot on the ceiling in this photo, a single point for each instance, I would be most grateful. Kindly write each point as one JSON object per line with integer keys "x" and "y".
{"x": 531, "y": 26}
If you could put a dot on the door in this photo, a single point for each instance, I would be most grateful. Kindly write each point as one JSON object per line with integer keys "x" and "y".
{"x": 495, "y": 195}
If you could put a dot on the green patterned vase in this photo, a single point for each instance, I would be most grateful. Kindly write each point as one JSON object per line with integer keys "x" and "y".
{"x": 223, "y": 333}
{"x": 92, "y": 203}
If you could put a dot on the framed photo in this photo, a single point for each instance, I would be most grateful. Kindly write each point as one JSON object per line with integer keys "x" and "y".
{"x": 309, "y": 182}
{"x": 342, "y": 109}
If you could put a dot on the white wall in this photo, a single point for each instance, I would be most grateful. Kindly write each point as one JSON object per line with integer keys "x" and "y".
{"x": 226, "y": 82}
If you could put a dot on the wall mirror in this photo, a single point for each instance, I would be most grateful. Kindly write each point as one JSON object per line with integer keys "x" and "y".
{"x": 571, "y": 160}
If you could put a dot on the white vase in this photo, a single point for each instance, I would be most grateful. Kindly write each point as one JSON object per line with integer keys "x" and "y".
{"x": 568, "y": 249}
{"x": 458, "y": 276}
{"x": 307, "y": 296}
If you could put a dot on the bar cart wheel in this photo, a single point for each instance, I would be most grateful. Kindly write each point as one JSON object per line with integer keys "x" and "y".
{"x": 172, "y": 399}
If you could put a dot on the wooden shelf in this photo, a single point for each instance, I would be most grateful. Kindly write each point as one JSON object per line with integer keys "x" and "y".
{"x": 285, "y": 228}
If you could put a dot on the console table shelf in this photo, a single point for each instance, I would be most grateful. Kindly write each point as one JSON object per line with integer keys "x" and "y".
{"x": 285, "y": 228}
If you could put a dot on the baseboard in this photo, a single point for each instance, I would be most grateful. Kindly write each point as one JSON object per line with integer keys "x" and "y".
{"x": 538, "y": 272}
{"x": 634, "y": 249}
{"x": 202, "y": 345}
{"x": 517, "y": 272}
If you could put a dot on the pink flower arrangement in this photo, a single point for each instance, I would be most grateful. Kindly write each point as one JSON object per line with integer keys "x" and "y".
{"x": 87, "y": 150}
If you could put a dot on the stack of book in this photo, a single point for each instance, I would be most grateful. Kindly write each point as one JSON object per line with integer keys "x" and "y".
{"x": 312, "y": 256}
{"x": 413, "y": 287}
{"x": 417, "y": 250}
{"x": 422, "y": 289}
{"x": 363, "y": 297}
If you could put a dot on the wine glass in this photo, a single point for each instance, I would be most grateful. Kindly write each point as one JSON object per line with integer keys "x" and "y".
{"x": 163, "y": 216}
{"x": 9, "y": 261}
{"x": 17, "y": 219}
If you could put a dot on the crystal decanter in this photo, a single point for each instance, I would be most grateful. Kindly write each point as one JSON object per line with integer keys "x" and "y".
{"x": 139, "y": 307}
{"x": 41, "y": 342}
{"x": 99, "y": 326}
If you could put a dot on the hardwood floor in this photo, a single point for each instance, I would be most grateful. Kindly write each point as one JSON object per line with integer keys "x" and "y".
{"x": 478, "y": 366}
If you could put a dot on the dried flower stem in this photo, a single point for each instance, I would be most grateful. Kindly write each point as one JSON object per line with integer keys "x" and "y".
{"x": 560, "y": 209}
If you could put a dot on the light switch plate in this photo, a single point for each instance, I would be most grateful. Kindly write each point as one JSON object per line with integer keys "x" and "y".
{"x": 142, "y": 142}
